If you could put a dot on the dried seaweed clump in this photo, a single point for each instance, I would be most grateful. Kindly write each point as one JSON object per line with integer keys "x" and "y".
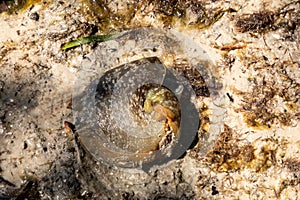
{"x": 274, "y": 98}
{"x": 192, "y": 12}
{"x": 256, "y": 22}
{"x": 232, "y": 154}
{"x": 228, "y": 155}
{"x": 193, "y": 76}
{"x": 118, "y": 14}
{"x": 289, "y": 21}
{"x": 286, "y": 18}
{"x": 293, "y": 165}
{"x": 170, "y": 7}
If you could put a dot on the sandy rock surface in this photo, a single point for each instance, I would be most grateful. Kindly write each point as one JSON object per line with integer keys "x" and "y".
{"x": 255, "y": 50}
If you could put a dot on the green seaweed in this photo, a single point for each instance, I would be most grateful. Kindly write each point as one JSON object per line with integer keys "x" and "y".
{"x": 86, "y": 40}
